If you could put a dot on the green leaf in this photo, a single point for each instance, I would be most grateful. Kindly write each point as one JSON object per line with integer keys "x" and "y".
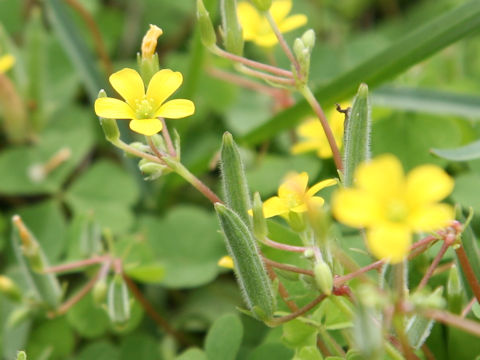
{"x": 357, "y": 134}
{"x": 224, "y": 338}
{"x": 54, "y": 335}
{"x": 297, "y": 334}
{"x": 192, "y": 354}
{"x": 308, "y": 353}
{"x": 75, "y": 46}
{"x": 108, "y": 192}
{"x": 100, "y": 350}
{"x": 89, "y": 320}
{"x": 188, "y": 253}
{"x": 412, "y": 48}
{"x": 273, "y": 350}
{"x": 139, "y": 346}
{"x": 427, "y": 101}
{"x": 476, "y": 309}
{"x": 147, "y": 273}
{"x": 16, "y": 163}
{"x": 464, "y": 153}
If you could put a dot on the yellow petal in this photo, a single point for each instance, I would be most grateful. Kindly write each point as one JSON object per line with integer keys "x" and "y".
{"x": 300, "y": 208}
{"x": 266, "y": 40}
{"x": 292, "y": 22}
{"x": 389, "y": 241}
{"x": 176, "y": 109}
{"x": 280, "y": 9}
{"x": 226, "y": 262}
{"x": 320, "y": 185}
{"x": 146, "y": 127}
{"x": 304, "y": 146}
{"x": 111, "y": 108}
{"x": 431, "y": 217}
{"x": 356, "y": 208}
{"x": 274, "y": 206}
{"x": 311, "y": 129}
{"x": 6, "y": 62}
{"x": 163, "y": 84}
{"x": 294, "y": 185}
{"x": 249, "y": 19}
{"x": 315, "y": 202}
{"x": 428, "y": 183}
{"x": 382, "y": 177}
{"x": 128, "y": 83}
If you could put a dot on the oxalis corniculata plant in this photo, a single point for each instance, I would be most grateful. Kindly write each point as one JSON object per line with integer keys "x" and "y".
{"x": 398, "y": 215}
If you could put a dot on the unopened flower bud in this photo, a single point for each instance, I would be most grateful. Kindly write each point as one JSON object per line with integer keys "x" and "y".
{"x": 323, "y": 277}
{"x": 152, "y": 170}
{"x": 99, "y": 292}
{"x": 232, "y": 31}
{"x": 118, "y": 303}
{"x": 308, "y": 39}
{"x": 262, "y": 5}
{"x": 298, "y": 47}
{"x": 21, "y": 355}
{"x": 109, "y": 126}
{"x": 9, "y": 288}
{"x": 149, "y": 42}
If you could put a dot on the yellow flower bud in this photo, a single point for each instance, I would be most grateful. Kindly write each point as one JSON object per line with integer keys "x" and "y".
{"x": 149, "y": 42}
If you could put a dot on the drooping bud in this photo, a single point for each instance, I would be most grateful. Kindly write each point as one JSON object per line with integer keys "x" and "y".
{"x": 109, "y": 126}
{"x": 231, "y": 29}
{"x": 308, "y": 39}
{"x": 323, "y": 277}
{"x": 207, "y": 32}
{"x": 118, "y": 303}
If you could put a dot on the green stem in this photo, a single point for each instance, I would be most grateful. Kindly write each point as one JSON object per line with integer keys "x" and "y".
{"x": 393, "y": 352}
{"x": 308, "y": 95}
{"x": 332, "y": 345}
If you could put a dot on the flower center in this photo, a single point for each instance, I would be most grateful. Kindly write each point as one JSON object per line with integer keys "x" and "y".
{"x": 144, "y": 108}
{"x": 397, "y": 210}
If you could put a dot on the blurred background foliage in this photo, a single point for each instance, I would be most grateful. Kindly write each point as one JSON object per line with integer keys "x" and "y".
{"x": 168, "y": 232}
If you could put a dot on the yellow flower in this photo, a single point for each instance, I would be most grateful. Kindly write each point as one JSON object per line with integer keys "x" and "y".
{"x": 226, "y": 262}
{"x": 391, "y": 206}
{"x": 314, "y": 136}
{"x": 256, "y": 27}
{"x": 294, "y": 196}
{"x": 144, "y": 108}
{"x": 6, "y": 62}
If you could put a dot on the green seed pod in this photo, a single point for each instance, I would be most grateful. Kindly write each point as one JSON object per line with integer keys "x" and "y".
{"x": 323, "y": 277}
{"x": 418, "y": 330}
{"x": 234, "y": 180}
{"x": 231, "y": 29}
{"x": 33, "y": 261}
{"x": 260, "y": 229}
{"x": 109, "y": 126}
{"x": 454, "y": 291}
{"x": 118, "y": 303}
{"x": 207, "y": 32}
{"x": 262, "y": 5}
{"x": 249, "y": 268}
{"x": 357, "y": 134}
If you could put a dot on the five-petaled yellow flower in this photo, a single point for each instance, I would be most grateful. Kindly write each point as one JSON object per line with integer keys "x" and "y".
{"x": 256, "y": 27}
{"x": 294, "y": 196}
{"x": 314, "y": 137}
{"x": 391, "y": 206}
{"x": 6, "y": 62}
{"x": 142, "y": 108}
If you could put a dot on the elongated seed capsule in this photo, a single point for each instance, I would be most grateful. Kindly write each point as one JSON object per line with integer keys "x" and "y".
{"x": 33, "y": 261}
{"x": 232, "y": 31}
{"x": 207, "y": 32}
{"x": 249, "y": 268}
{"x": 357, "y": 134}
{"x": 260, "y": 229}
{"x": 454, "y": 291}
{"x": 234, "y": 180}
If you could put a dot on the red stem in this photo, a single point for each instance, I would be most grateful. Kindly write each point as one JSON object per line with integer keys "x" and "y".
{"x": 433, "y": 266}
{"x": 468, "y": 271}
